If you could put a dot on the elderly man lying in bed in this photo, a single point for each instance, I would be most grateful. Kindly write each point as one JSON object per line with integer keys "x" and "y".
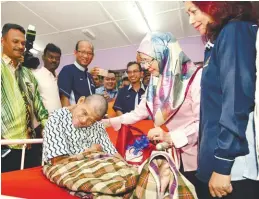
{"x": 80, "y": 157}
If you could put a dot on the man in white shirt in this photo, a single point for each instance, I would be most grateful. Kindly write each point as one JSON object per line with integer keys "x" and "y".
{"x": 47, "y": 79}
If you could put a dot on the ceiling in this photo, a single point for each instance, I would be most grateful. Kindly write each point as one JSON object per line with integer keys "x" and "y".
{"x": 114, "y": 23}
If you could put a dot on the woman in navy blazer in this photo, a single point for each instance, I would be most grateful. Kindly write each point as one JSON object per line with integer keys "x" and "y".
{"x": 227, "y": 163}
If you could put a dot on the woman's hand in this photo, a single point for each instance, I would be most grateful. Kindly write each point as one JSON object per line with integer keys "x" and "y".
{"x": 220, "y": 185}
{"x": 106, "y": 122}
{"x": 157, "y": 134}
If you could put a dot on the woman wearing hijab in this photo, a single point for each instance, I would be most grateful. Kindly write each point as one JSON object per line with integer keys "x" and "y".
{"x": 172, "y": 98}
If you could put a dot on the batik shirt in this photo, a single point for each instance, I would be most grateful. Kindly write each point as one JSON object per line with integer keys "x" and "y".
{"x": 15, "y": 117}
{"x": 60, "y": 137}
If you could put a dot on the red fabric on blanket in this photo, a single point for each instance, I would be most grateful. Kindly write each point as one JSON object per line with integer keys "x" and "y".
{"x": 31, "y": 184}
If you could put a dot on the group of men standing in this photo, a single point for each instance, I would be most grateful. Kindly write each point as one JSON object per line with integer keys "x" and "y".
{"x": 29, "y": 96}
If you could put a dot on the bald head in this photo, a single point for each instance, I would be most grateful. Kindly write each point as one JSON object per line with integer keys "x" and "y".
{"x": 84, "y": 42}
{"x": 98, "y": 103}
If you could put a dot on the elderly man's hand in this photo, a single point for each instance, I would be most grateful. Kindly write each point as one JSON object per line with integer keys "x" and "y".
{"x": 220, "y": 185}
{"x": 157, "y": 134}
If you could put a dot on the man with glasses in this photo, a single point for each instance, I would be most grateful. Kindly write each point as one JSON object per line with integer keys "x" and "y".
{"x": 129, "y": 96}
{"x": 74, "y": 81}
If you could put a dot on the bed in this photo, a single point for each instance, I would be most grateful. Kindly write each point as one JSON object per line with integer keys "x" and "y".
{"x": 32, "y": 184}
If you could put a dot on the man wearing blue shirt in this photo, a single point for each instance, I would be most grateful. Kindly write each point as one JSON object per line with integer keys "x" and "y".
{"x": 108, "y": 90}
{"x": 129, "y": 96}
{"x": 74, "y": 81}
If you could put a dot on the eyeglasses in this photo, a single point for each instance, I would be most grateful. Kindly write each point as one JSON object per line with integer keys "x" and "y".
{"x": 132, "y": 72}
{"x": 109, "y": 79}
{"x": 145, "y": 63}
{"x": 85, "y": 53}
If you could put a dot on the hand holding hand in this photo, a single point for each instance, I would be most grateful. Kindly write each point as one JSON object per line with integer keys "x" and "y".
{"x": 220, "y": 185}
{"x": 158, "y": 134}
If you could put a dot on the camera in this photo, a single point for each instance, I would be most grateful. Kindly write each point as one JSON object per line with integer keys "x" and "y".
{"x": 29, "y": 60}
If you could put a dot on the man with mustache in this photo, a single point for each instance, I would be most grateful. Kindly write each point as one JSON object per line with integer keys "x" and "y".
{"x": 47, "y": 78}
{"x": 74, "y": 81}
{"x": 20, "y": 98}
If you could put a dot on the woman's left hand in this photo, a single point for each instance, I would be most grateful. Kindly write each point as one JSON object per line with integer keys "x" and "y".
{"x": 220, "y": 185}
{"x": 158, "y": 134}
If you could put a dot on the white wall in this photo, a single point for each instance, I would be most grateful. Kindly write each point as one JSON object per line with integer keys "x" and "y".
{"x": 117, "y": 58}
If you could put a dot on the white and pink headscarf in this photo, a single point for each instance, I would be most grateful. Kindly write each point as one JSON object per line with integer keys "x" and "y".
{"x": 166, "y": 93}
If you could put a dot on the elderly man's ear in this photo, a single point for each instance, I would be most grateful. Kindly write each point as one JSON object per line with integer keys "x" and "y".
{"x": 81, "y": 100}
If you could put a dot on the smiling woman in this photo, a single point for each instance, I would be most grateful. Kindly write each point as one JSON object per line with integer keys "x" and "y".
{"x": 227, "y": 135}
{"x": 171, "y": 98}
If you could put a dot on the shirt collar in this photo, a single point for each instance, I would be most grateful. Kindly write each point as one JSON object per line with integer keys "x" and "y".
{"x": 47, "y": 71}
{"x": 7, "y": 60}
{"x": 141, "y": 86}
{"x": 79, "y": 66}
{"x": 209, "y": 45}
{"x": 109, "y": 91}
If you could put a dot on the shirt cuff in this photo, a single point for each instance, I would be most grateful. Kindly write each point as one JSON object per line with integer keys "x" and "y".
{"x": 116, "y": 123}
{"x": 62, "y": 91}
{"x": 223, "y": 166}
{"x": 117, "y": 108}
{"x": 43, "y": 122}
{"x": 179, "y": 139}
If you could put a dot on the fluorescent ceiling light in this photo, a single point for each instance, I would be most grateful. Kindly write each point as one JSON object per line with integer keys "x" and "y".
{"x": 137, "y": 18}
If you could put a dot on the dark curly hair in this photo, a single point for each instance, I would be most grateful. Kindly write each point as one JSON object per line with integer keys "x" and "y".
{"x": 224, "y": 11}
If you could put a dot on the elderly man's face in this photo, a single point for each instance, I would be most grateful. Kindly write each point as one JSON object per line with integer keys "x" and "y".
{"x": 13, "y": 44}
{"x": 109, "y": 82}
{"x": 83, "y": 115}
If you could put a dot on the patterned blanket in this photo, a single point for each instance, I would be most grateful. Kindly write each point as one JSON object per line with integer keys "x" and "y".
{"x": 101, "y": 176}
